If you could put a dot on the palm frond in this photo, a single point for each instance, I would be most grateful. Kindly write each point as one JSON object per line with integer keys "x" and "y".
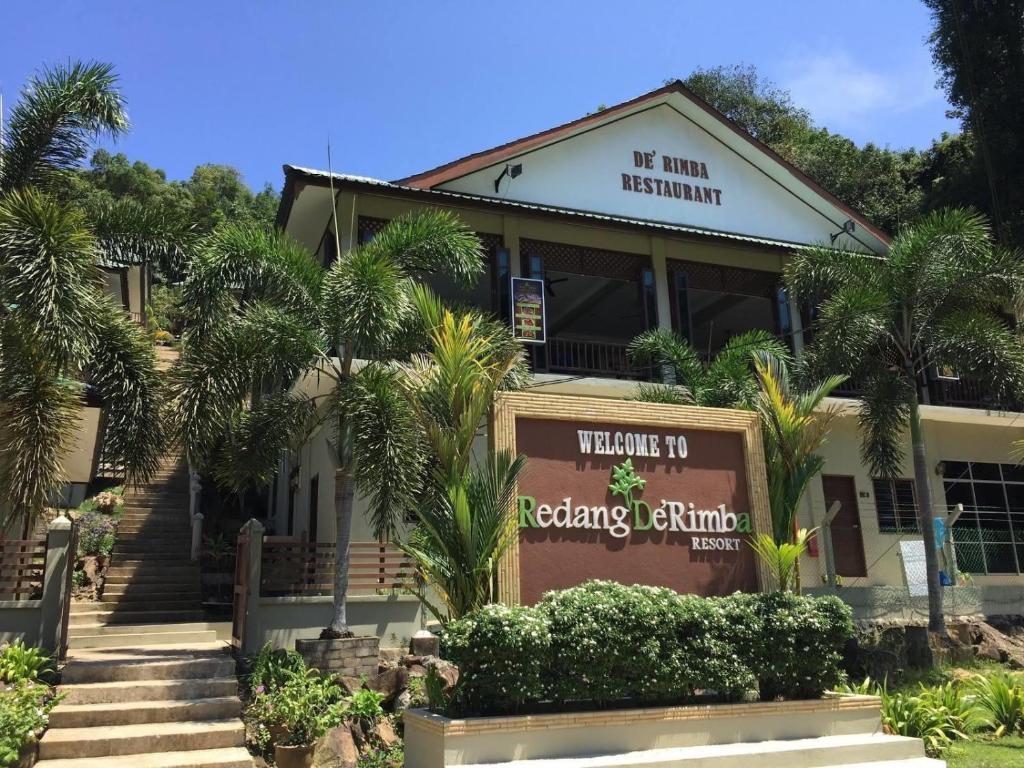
{"x": 730, "y": 380}
{"x": 981, "y": 345}
{"x": 128, "y": 233}
{"x": 667, "y": 394}
{"x": 253, "y": 444}
{"x": 122, "y": 369}
{"x": 387, "y": 441}
{"x": 58, "y": 113}
{"x": 884, "y": 416}
{"x": 39, "y": 413}
{"x": 818, "y": 271}
{"x": 433, "y": 241}
{"x": 660, "y": 346}
{"x": 47, "y": 273}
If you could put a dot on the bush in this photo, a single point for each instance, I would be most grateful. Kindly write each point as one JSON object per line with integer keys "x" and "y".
{"x": 96, "y": 534}
{"x": 792, "y": 643}
{"x": 1000, "y": 700}
{"x": 19, "y": 663}
{"x": 937, "y": 716}
{"x": 603, "y": 643}
{"x": 502, "y": 653}
{"x": 615, "y": 643}
{"x": 24, "y": 713}
{"x": 271, "y": 668}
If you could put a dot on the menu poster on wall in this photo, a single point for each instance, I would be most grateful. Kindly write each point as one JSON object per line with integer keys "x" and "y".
{"x": 528, "y": 321}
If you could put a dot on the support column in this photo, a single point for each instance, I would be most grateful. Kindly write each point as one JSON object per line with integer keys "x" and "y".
{"x": 195, "y": 490}
{"x": 254, "y": 573}
{"x": 659, "y": 265}
{"x": 56, "y": 590}
{"x": 510, "y": 235}
{"x": 347, "y": 221}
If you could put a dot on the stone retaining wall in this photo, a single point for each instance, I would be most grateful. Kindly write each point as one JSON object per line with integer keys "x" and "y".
{"x": 347, "y": 656}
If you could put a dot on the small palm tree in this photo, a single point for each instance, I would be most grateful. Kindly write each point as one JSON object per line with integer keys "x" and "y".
{"x": 726, "y": 381}
{"x": 793, "y": 429}
{"x": 263, "y": 318}
{"x": 60, "y": 332}
{"x": 935, "y": 299}
{"x": 782, "y": 559}
{"x": 465, "y": 519}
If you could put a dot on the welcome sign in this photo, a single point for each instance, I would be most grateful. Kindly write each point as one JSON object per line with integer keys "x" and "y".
{"x": 634, "y": 492}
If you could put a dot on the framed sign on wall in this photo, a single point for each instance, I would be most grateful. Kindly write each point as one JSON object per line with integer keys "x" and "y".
{"x": 639, "y": 493}
{"x": 529, "y": 323}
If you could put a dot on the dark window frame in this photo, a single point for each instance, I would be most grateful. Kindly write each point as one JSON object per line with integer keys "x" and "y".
{"x": 892, "y": 515}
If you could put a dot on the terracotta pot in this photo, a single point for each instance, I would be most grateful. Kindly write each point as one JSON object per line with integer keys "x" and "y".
{"x": 277, "y": 732}
{"x": 293, "y": 757}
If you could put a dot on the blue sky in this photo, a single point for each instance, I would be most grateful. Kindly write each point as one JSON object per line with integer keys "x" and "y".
{"x": 401, "y": 87}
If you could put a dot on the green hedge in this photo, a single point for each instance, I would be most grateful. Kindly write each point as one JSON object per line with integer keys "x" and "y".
{"x": 603, "y": 644}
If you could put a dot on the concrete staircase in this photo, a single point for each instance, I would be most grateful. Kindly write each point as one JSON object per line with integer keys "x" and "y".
{"x": 150, "y": 706}
{"x": 152, "y": 588}
{"x": 147, "y": 684}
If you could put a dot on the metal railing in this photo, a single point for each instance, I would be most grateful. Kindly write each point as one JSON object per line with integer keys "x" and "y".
{"x": 587, "y": 358}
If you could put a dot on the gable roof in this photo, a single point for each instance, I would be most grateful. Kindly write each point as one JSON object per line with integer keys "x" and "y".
{"x": 465, "y": 165}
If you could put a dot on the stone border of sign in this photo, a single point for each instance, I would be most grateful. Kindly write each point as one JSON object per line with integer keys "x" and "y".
{"x": 433, "y": 741}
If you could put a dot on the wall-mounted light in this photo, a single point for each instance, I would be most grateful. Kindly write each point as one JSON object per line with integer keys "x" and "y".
{"x": 849, "y": 227}
{"x": 940, "y": 468}
{"x": 512, "y": 171}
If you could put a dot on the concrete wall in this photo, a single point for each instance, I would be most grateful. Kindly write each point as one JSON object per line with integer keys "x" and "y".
{"x": 281, "y": 621}
{"x": 893, "y": 603}
{"x": 21, "y": 619}
{"x": 78, "y": 460}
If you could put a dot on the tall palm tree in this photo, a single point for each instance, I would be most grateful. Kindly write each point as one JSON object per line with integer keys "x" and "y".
{"x": 263, "y": 317}
{"x": 725, "y": 381}
{"x": 793, "y": 427}
{"x": 59, "y": 330}
{"x": 934, "y": 299}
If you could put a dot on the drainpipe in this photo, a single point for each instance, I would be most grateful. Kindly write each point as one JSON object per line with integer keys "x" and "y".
{"x": 195, "y": 488}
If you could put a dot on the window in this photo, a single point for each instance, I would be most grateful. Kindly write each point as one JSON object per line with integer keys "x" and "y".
{"x": 712, "y": 303}
{"x": 989, "y": 536}
{"x": 896, "y": 505}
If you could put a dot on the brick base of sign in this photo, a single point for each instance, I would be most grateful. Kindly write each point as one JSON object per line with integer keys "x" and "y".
{"x": 347, "y": 656}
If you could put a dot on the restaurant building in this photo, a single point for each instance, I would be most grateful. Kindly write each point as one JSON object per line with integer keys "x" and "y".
{"x": 661, "y": 213}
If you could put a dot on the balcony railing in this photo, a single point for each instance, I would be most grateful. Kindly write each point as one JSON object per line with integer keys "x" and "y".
{"x": 587, "y": 358}
{"x": 970, "y": 394}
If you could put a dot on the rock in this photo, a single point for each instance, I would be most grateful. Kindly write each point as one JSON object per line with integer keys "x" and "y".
{"x": 350, "y": 684}
{"x": 384, "y": 733}
{"x": 417, "y": 670}
{"x": 337, "y": 749}
{"x": 403, "y": 701}
{"x": 358, "y": 735}
{"x": 445, "y": 670}
{"x": 425, "y": 643}
{"x": 411, "y": 658}
{"x": 987, "y": 649}
{"x": 390, "y": 682}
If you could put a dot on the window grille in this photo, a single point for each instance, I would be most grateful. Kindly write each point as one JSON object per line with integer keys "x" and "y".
{"x": 989, "y": 536}
{"x": 579, "y": 260}
{"x": 896, "y": 505}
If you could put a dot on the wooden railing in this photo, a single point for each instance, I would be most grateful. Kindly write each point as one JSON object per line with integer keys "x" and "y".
{"x": 970, "y": 394}
{"x": 291, "y": 567}
{"x": 22, "y": 564}
{"x": 588, "y": 358}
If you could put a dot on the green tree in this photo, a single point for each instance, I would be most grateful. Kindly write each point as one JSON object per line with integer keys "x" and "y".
{"x": 978, "y": 49}
{"x": 59, "y": 330}
{"x": 879, "y": 183}
{"x": 262, "y": 317}
{"x": 934, "y": 299}
{"x": 726, "y": 381}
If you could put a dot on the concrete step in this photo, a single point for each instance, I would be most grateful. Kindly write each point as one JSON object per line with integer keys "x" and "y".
{"x": 846, "y": 751}
{"x": 121, "y": 593}
{"x": 179, "y": 553}
{"x": 168, "y": 571}
{"x": 161, "y": 614}
{"x": 141, "y": 738}
{"x": 122, "y": 691}
{"x": 152, "y": 528}
{"x": 152, "y": 577}
{"x": 115, "y": 639}
{"x": 230, "y": 757}
{"x": 180, "y": 660}
{"x": 143, "y": 547}
{"x": 102, "y": 628}
{"x": 134, "y": 713}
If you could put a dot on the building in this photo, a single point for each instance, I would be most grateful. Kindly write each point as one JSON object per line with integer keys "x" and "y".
{"x": 659, "y": 212}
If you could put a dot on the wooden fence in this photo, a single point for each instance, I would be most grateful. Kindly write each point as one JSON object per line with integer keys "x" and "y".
{"x": 290, "y": 567}
{"x": 22, "y": 563}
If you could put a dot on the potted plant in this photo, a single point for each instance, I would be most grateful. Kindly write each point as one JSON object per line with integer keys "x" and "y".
{"x": 304, "y": 708}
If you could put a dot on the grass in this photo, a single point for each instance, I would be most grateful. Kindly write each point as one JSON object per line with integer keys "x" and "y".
{"x": 1002, "y": 753}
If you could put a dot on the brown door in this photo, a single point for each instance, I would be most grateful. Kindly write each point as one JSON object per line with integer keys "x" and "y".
{"x": 847, "y": 542}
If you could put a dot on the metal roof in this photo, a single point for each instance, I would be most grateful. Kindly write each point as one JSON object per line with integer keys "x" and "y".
{"x": 572, "y": 213}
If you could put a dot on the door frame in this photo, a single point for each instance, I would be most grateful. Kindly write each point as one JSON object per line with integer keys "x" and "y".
{"x": 860, "y": 524}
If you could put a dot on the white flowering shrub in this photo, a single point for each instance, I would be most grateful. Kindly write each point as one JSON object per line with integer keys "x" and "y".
{"x": 646, "y": 644}
{"x": 604, "y": 644}
{"x": 794, "y": 644}
{"x": 503, "y": 654}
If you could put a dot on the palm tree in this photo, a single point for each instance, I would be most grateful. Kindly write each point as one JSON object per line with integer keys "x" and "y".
{"x": 465, "y": 519}
{"x": 59, "y": 330}
{"x": 726, "y": 381}
{"x": 935, "y": 299}
{"x": 793, "y": 429}
{"x": 263, "y": 317}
